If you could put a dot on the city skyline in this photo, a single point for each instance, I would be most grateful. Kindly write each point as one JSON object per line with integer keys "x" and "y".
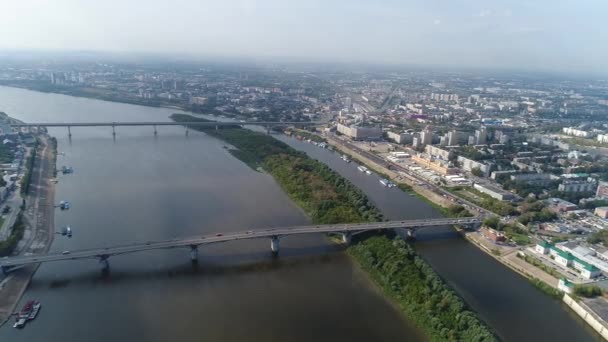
{"x": 544, "y": 36}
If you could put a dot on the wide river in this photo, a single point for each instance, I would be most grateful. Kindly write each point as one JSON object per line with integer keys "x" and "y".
{"x": 139, "y": 187}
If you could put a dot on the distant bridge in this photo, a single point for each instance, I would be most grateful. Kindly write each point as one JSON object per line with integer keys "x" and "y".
{"x": 274, "y": 234}
{"x": 212, "y": 124}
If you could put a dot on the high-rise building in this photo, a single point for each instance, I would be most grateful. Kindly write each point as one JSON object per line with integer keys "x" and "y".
{"x": 348, "y": 102}
{"x": 454, "y": 138}
{"x": 426, "y": 137}
{"x": 481, "y": 136}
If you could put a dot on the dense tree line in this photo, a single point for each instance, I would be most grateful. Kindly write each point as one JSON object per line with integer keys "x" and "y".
{"x": 588, "y": 291}
{"x": 419, "y": 291}
{"x": 8, "y": 246}
{"x": 29, "y": 169}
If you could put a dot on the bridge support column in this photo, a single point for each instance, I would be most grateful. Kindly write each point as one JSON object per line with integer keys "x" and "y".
{"x": 187, "y": 131}
{"x": 194, "y": 253}
{"x": 113, "y": 130}
{"x": 267, "y": 129}
{"x": 274, "y": 245}
{"x": 217, "y": 127}
{"x": 155, "y": 131}
{"x": 474, "y": 226}
{"x": 69, "y": 132}
{"x": 105, "y": 264}
{"x": 346, "y": 238}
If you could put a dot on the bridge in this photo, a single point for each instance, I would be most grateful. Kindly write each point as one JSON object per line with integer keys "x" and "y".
{"x": 154, "y": 124}
{"x": 274, "y": 234}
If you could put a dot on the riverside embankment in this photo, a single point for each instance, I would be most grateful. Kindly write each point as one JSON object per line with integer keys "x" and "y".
{"x": 37, "y": 220}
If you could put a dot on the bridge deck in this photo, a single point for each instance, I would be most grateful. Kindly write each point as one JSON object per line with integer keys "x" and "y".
{"x": 217, "y": 238}
{"x": 160, "y": 123}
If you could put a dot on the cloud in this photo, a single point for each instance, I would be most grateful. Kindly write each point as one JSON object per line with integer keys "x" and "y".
{"x": 436, "y": 21}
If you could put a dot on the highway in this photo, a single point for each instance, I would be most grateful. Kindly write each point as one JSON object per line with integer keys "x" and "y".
{"x": 193, "y": 242}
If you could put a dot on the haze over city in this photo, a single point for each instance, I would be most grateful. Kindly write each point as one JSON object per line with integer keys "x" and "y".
{"x": 543, "y": 35}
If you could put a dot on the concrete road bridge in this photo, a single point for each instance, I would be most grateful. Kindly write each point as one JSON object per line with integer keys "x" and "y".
{"x": 154, "y": 124}
{"x": 274, "y": 234}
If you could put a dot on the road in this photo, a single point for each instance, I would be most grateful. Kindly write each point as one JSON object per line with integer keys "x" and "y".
{"x": 273, "y": 233}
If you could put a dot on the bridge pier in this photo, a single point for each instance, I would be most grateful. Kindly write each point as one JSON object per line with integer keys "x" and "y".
{"x": 274, "y": 245}
{"x": 217, "y": 127}
{"x": 474, "y": 226}
{"x": 187, "y": 131}
{"x": 113, "y": 130}
{"x": 105, "y": 264}
{"x": 155, "y": 131}
{"x": 267, "y": 129}
{"x": 346, "y": 238}
{"x": 194, "y": 253}
{"x": 69, "y": 132}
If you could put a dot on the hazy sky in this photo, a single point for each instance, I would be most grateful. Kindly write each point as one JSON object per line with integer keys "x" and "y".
{"x": 544, "y": 34}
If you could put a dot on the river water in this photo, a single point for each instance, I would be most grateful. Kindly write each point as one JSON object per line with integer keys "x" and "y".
{"x": 139, "y": 187}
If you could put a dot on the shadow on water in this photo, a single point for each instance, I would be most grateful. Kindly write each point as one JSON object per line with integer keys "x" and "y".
{"x": 207, "y": 266}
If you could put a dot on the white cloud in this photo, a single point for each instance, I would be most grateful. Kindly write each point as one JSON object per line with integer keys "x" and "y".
{"x": 436, "y": 21}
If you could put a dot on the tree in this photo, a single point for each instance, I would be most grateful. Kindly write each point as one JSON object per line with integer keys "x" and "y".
{"x": 477, "y": 172}
{"x": 588, "y": 291}
{"x": 492, "y": 222}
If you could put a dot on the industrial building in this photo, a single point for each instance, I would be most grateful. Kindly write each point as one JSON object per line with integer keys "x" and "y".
{"x": 495, "y": 192}
{"x": 567, "y": 259}
{"x": 360, "y": 133}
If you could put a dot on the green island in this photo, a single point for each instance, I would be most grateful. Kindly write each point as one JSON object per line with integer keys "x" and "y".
{"x": 392, "y": 264}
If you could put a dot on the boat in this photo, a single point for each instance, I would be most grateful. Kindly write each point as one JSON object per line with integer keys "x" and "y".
{"x": 368, "y": 172}
{"x": 20, "y": 323}
{"x": 64, "y": 205}
{"x": 35, "y": 311}
{"x": 27, "y": 310}
{"x": 362, "y": 168}
{"x": 67, "y": 231}
{"x": 387, "y": 183}
{"x": 345, "y": 158}
{"x": 67, "y": 169}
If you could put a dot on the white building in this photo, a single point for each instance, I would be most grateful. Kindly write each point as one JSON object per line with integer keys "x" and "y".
{"x": 400, "y": 138}
{"x": 602, "y": 138}
{"x": 469, "y": 164}
{"x": 360, "y": 133}
{"x": 564, "y": 255}
{"x": 589, "y": 185}
{"x": 577, "y": 132}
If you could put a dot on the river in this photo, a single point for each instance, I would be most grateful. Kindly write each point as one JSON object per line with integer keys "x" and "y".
{"x": 139, "y": 187}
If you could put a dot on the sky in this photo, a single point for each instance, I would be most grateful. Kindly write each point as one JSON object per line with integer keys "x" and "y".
{"x": 559, "y": 35}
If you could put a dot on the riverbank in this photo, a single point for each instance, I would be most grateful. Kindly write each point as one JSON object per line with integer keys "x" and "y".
{"x": 329, "y": 198}
{"x": 38, "y": 218}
